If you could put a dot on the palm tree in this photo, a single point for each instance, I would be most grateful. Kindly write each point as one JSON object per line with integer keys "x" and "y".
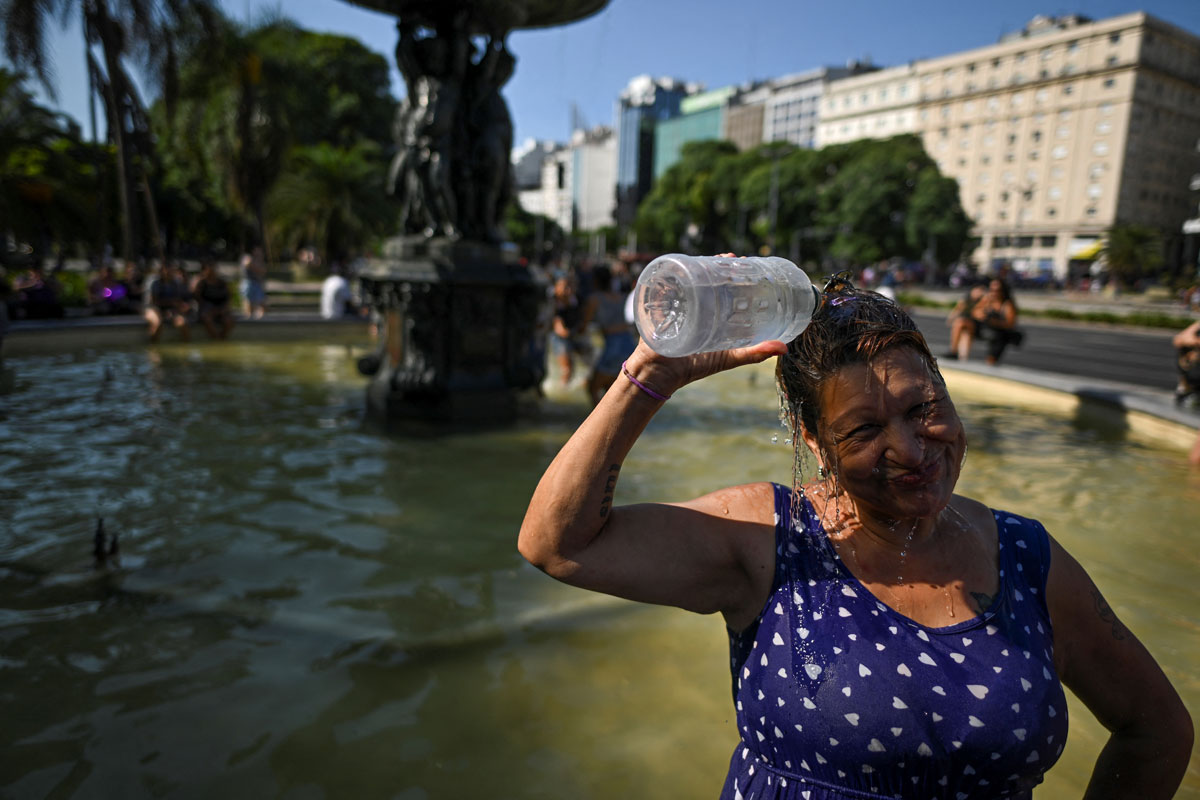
{"x": 1132, "y": 252}
{"x": 331, "y": 197}
{"x": 145, "y": 30}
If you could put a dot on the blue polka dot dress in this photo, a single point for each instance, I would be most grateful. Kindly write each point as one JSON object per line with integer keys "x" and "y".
{"x": 839, "y": 696}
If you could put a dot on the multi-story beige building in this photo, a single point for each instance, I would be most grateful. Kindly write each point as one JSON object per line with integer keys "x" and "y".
{"x": 1054, "y": 134}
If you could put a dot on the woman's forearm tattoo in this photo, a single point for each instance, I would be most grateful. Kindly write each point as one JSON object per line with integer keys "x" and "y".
{"x": 1108, "y": 615}
{"x": 610, "y": 486}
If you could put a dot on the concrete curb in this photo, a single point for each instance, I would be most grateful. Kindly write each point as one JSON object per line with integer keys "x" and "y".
{"x": 1149, "y": 414}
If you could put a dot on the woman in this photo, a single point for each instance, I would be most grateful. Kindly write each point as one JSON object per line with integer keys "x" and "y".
{"x": 888, "y": 637}
{"x": 605, "y": 307}
{"x": 212, "y": 298}
{"x": 995, "y": 317}
{"x": 962, "y": 325}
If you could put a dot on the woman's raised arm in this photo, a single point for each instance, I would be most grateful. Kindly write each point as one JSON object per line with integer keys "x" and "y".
{"x": 695, "y": 555}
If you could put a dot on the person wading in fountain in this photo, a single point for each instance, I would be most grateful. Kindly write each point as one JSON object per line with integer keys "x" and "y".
{"x": 888, "y": 637}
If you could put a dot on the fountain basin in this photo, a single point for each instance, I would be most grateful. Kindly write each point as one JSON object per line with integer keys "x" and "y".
{"x": 306, "y": 605}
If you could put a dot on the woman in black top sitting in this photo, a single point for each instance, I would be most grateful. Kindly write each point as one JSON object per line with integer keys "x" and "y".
{"x": 212, "y": 297}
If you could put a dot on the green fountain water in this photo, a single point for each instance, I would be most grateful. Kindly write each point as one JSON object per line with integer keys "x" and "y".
{"x": 306, "y": 606}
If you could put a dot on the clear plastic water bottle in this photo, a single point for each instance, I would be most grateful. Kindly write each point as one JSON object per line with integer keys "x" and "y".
{"x": 697, "y": 304}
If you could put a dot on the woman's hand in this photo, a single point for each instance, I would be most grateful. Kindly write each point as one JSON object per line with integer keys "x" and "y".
{"x": 666, "y": 375}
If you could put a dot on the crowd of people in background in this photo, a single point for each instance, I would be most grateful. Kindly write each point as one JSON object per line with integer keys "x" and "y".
{"x": 165, "y": 294}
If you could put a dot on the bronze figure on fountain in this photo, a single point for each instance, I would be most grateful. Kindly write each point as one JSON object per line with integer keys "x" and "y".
{"x": 460, "y": 337}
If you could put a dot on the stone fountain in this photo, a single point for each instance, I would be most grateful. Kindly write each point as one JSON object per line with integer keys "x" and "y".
{"x": 463, "y": 319}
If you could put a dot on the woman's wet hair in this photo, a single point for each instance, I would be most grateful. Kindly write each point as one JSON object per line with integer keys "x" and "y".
{"x": 851, "y": 326}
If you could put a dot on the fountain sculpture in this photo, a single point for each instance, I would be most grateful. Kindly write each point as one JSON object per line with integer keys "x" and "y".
{"x": 461, "y": 335}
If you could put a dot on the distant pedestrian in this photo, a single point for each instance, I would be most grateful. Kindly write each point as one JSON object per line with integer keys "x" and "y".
{"x": 605, "y": 308}
{"x": 254, "y": 284}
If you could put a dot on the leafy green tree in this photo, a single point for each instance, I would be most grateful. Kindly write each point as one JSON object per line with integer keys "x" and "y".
{"x": 49, "y": 178}
{"x": 681, "y": 209}
{"x": 1132, "y": 252}
{"x": 331, "y": 198}
{"x": 251, "y": 97}
{"x": 145, "y": 30}
{"x": 858, "y": 202}
{"x": 523, "y": 231}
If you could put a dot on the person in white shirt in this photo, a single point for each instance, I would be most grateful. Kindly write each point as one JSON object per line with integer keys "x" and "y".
{"x": 335, "y": 295}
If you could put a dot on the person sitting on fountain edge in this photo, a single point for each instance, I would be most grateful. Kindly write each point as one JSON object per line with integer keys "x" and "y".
{"x": 888, "y": 637}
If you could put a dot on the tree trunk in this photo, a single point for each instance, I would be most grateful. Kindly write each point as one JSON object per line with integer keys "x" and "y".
{"x": 110, "y": 43}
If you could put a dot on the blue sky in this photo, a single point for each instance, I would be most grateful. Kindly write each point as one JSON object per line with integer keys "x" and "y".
{"x": 714, "y": 42}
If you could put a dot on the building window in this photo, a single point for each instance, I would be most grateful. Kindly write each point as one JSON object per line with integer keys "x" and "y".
{"x": 985, "y": 160}
{"x": 1012, "y": 138}
{"x": 1073, "y": 47}
{"x": 1093, "y": 190}
{"x": 1110, "y": 83}
{"x": 1056, "y": 173}
{"x": 1106, "y": 109}
{"x": 1100, "y": 148}
{"x": 1051, "y": 212}
{"x": 1059, "y": 152}
{"x": 995, "y": 63}
{"x": 1068, "y": 88}
{"x": 1112, "y": 61}
{"x": 1036, "y": 136}
{"x": 1053, "y": 193}
{"x": 1033, "y": 155}
{"x": 1048, "y": 241}
{"x": 1062, "y": 132}
{"x": 1114, "y": 38}
{"x": 1104, "y": 126}
{"x": 980, "y": 199}
{"x": 1042, "y": 95}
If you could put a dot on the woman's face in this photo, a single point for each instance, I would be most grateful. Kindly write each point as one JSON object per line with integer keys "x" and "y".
{"x": 891, "y": 436}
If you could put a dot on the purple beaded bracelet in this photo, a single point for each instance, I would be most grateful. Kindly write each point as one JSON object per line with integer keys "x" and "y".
{"x": 643, "y": 386}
